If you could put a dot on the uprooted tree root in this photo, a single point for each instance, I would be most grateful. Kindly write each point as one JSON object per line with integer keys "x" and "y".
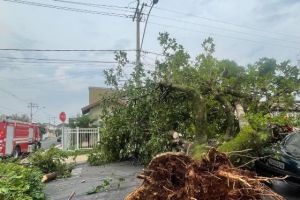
{"x": 174, "y": 176}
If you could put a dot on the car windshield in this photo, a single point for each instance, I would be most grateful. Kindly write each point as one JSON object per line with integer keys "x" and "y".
{"x": 292, "y": 145}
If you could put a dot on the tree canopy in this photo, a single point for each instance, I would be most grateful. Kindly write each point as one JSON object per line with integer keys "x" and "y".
{"x": 201, "y": 98}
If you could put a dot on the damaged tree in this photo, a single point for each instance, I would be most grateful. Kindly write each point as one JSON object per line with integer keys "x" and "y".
{"x": 203, "y": 98}
{"x": 174, "y": 176}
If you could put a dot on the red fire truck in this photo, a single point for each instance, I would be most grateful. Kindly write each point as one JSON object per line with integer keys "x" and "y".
{"x": 18, "y": 138}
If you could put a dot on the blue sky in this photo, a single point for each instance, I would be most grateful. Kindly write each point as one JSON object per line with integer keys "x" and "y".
{"x": 243, "y": 31}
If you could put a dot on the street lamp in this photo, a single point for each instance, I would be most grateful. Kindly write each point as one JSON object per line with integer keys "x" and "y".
{"x": 152, "y": 5}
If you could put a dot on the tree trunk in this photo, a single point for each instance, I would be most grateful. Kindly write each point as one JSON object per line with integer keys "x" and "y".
{"x": 199, "y": 112}
{"x": 243, "y": 122}
{"x": 49, "y": 177}
{"x": 229, "y": 112}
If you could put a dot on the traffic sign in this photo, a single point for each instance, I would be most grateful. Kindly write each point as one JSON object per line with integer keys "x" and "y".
{"x": 62, "y": 116}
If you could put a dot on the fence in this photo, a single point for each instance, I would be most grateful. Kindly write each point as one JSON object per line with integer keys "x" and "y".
{"x": 80, "y": 138}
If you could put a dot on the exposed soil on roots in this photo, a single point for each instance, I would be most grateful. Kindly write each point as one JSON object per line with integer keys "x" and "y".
{"x": 175, "y": 176}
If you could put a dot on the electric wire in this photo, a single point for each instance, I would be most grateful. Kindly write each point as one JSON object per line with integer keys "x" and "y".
{"x": 223, "y": 22}
{"x": 221, "y": 35}
{"x": 223, "y": 29}
{"x": 69, "y": 8}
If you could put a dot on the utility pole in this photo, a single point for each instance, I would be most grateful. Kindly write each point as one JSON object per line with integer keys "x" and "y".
{"x": 54, "y": 120}
{"x": 138, "y": 17}
{"x": 31, "y": 106}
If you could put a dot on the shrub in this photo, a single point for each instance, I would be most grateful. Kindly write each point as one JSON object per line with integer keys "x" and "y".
{"x": 51, "y": 160}
{"x": 98, "y": 158}
{"x": 20, "y": 183}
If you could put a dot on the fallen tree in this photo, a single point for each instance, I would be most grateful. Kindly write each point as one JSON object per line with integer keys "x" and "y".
{"x": 175, "y": 176}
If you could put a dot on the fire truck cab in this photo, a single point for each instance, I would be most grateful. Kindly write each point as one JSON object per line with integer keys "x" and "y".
{"x": 18, "y": 138}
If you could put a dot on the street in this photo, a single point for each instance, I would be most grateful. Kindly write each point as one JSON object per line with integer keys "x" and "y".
{"x": 289, "y": 192}
{"x": 121, "y": 176}
{"x": 48, "y": 142}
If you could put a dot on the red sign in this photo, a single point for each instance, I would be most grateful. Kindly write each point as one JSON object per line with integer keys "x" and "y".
{"x": 62, "y": 116}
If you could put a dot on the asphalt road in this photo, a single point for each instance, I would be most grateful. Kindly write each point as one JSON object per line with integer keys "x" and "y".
{"x": 288, "y": 191}
{"x": 48, "y": 142}
{"x": 85, "y": 178}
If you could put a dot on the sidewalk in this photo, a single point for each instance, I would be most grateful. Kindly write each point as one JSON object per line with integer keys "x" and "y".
{"x": 86, "y": 177}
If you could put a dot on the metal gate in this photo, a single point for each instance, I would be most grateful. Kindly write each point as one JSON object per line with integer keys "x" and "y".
{"x": 80, "y": 138}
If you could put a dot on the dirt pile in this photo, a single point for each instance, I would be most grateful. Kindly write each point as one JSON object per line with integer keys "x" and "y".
{"x": 174, "y": 176}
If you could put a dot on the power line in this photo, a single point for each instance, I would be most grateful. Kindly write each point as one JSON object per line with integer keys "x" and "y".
{"x": 69, "y": 50}
{"x": 44, "y": 64}
{"x": 221, "y": 35}
{"x": 61, "y": 60}
{"x": 123, "y": 8}
{"x": 223, "y": 29}
{"x": 69, "y": 8}
{"x": 79, "y": 50}
{"x": 13, "y": 95}
{"x": 31, "y": 106}
{"x": 9, "y": 109}
{"x": 46, "y": 78}
{"x": 225, "y": 22}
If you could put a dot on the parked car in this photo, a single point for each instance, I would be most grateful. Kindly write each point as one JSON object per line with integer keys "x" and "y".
{"x": 282, "y": 159}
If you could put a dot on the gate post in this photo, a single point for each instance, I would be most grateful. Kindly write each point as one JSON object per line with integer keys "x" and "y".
{"x": 77, "y": 138}
{"x": 63, "y": 138}
{"x": 98, "y": 135}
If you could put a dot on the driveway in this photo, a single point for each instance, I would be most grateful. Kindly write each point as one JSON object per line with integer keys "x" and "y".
{"x": 121, "y": 176}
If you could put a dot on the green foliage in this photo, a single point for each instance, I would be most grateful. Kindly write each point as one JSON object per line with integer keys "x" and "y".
{"x": 198, "y": 150}
{"x": 258, "y": 121}
{"x": 295, "y": 121}
{"x": 104, "y": 187}
{"x": 247, "y": 139}
{"x": 51, "y": 160}
{"x": 99, "y": 157}
{"x": 281, "y": 119}
{"x": 195, "y": 97}
{"x": 83, "y": 121}
{"x": 20, "y": 183}
{"x": 107, "y": 184}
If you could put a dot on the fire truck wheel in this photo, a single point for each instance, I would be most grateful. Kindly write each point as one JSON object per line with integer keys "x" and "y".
{"x": 17, "y": 152}
{"x": 37, "y": 145}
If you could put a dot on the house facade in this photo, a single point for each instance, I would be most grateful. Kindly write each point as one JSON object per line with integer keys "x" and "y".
{"x": 96, "y": 95}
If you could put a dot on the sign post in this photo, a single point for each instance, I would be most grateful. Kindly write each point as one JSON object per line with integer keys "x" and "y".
{"x": 62, "y": 117}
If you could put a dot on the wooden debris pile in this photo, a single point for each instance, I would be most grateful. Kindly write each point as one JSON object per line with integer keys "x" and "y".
{"x": 175, "y": 176}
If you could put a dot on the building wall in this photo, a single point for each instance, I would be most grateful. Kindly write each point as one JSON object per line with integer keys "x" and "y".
{"x": 97, "y": 93}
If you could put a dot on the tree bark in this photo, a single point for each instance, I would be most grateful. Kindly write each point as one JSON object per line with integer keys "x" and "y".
{"x": 243, "y": 122}
{"x": 200, "y": 115}
{"x": 49, "y": 177}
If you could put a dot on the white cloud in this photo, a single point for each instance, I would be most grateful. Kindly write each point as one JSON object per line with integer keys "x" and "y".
{"x": 65, "y": 87}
